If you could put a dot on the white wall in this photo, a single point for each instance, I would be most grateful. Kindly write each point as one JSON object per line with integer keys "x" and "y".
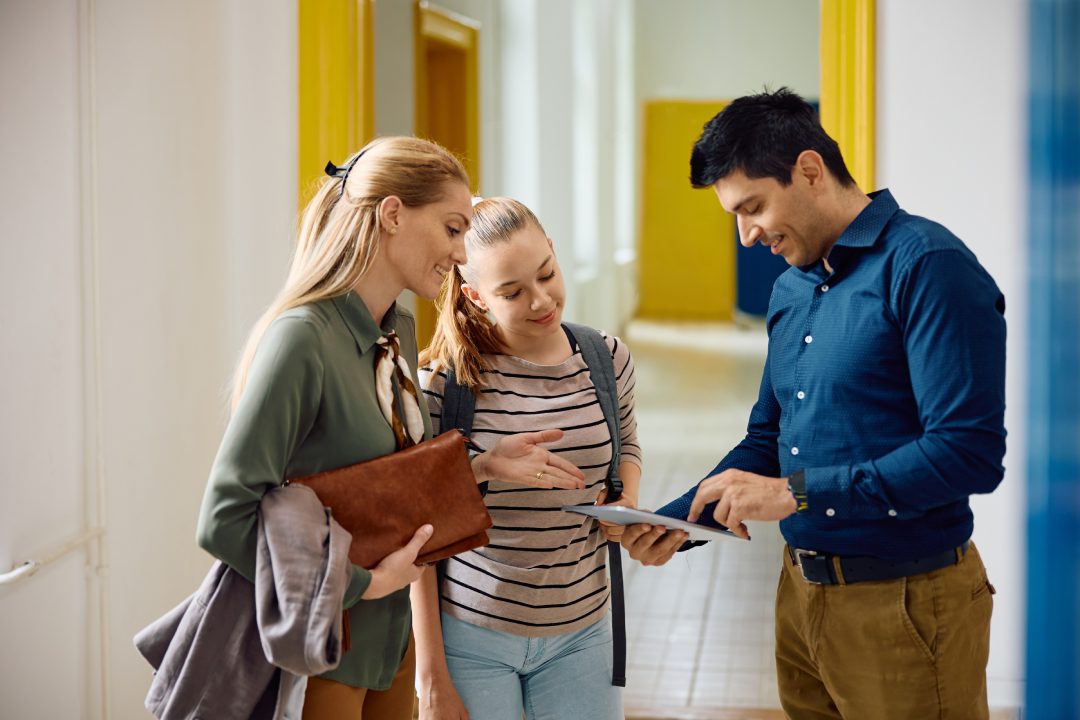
{"x": 190, "y": 196}
{"x": 196, "y": 200}
{"x": 721, "y": 49}
{"x": 567, "y": 137}
{"x": 45, "y": 621}
{"x": 952, "y": 146}
{"x": 537, "y": 119}
{"x": 196, "y": 185}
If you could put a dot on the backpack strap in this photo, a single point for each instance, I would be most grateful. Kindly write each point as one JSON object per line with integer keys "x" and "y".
{"x": 601, "y": 366}
{"x": 458, "y": 408}
{"x": 458, "y": 404}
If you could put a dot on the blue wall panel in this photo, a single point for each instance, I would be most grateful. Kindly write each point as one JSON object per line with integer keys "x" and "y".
{"x": 1053, "y": 607}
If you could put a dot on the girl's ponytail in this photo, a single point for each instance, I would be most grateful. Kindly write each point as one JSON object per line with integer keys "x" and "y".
{"x": 463, "y": 333}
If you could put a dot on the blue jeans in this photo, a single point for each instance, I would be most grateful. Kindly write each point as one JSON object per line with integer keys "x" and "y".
{"x": 499, "y": 676}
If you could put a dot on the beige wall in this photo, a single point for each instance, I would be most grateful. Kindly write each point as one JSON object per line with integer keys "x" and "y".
{"x": 183, "y": 115}
{"x": 41, "y": 384}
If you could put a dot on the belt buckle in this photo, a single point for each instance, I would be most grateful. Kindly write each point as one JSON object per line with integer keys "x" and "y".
{"x": 798, "y": 556}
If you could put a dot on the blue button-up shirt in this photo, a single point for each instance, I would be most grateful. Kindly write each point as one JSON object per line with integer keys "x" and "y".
{"x": 885, "y": 384}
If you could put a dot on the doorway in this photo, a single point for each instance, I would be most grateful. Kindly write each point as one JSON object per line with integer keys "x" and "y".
{"x": 447, "y": 103}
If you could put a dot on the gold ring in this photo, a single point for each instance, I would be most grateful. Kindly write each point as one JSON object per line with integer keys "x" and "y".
{"x": 540, "y": 476}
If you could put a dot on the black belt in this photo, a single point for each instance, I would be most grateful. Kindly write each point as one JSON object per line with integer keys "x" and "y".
{"x": 825, "y": 569}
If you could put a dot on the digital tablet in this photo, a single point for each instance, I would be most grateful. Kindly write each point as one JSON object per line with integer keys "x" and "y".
{"x": 629, "y": 516}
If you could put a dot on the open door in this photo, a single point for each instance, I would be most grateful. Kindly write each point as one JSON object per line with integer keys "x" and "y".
{"x": 686, "y": 261}
{"x": 447, "y": 103}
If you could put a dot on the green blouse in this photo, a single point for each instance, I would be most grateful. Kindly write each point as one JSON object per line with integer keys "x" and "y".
{"x": 309, "y": 405}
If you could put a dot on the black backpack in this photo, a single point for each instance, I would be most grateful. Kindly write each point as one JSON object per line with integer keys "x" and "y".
{"x": 457, "y": 412}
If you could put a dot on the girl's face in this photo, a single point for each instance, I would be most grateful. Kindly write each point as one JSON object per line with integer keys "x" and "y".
{"x": 427, "y": 241}
{"x": 519, "y": 282}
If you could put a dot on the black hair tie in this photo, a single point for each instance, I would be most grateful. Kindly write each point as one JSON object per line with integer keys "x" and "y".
{"x": 342, "y": 172}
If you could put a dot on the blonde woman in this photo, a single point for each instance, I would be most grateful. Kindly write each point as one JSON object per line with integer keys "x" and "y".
{"x": 522, "y": 626}
{"x": 305, "y": 396}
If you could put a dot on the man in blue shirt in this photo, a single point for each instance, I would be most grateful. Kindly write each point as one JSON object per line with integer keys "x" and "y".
{"x": 880, "y": 412}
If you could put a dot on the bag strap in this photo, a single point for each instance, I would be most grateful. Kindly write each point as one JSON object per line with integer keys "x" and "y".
{"x": 594, "y": 351}
{"x": 601, "y": 366}
{"x": 458, "y": 405}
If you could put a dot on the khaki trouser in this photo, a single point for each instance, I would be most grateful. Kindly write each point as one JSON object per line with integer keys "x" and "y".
{"x": 330, "y": 700}
{"x": 912, "y": 648}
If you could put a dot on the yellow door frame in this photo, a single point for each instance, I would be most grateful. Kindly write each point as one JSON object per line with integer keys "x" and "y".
{"x": 435, "y": 25}
{"x": 336, "y": 85}
{"x": 446, "y": 49}
{"x": 848, "y": 46}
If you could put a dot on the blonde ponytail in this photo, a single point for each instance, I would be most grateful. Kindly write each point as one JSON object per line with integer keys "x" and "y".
{"x": 339, "y": 230}
{"x": 463, "y": 334}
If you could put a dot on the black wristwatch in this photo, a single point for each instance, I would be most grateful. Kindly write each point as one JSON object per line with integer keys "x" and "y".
{"x": 797, "y": 487}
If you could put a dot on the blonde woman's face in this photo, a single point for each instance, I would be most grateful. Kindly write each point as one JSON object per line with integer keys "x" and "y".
{"x": 430, "y": 240}
{"x": 519, "y": 281}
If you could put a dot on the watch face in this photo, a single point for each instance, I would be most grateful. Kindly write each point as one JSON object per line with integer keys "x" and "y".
{"x": 797, "y": 487}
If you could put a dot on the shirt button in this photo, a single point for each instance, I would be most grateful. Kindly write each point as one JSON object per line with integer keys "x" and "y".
{"x": 794, "y": 451}
{"x": 830, "y": 512}
{"x": 824, "y": 288}
{"x": 892, "y": 513}
{"x": 808, "y": 339}
{"x": 800, "y": 395}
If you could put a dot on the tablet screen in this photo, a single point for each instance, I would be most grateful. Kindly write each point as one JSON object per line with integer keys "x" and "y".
{"x": 629, "y": 516}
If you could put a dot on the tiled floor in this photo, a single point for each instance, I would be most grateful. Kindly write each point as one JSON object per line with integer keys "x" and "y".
{"x": 700, "y": 628}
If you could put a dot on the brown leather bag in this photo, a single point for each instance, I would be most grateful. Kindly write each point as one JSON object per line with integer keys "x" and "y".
{"x": 382, "y": 502}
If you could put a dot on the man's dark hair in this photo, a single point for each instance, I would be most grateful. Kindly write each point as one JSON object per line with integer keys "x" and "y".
{"x": 762, "y": 135}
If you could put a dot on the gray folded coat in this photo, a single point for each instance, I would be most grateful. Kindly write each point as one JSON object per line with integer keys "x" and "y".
{"x": 238, "y": 650}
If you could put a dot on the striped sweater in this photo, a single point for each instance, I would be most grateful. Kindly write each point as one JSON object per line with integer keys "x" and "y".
{"x": 543, "y": 572}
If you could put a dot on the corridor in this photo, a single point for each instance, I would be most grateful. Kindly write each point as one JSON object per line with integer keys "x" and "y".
{"x": 699, "y": 629}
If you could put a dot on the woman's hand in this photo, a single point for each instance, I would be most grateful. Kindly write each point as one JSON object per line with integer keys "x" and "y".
{"x": 520, "y": 459}
{"x": 399, "y": 568}
{"x": 440, "y": 701}
{"x": 613, "y": 531}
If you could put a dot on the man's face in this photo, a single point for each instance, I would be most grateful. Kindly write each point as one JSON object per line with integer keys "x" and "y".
{"x": 784, "y": 218}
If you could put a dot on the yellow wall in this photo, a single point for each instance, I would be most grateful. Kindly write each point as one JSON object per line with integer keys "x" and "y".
{"x": 687, "y": 247}
{"x": 336, "y": 85}
{"x": 847, "y": 83}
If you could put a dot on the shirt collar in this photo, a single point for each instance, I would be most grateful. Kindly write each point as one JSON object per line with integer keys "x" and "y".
{"x": 863, "y": 232}
{"x": 866, "y": 228}
{"x": 358, "y": 319}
